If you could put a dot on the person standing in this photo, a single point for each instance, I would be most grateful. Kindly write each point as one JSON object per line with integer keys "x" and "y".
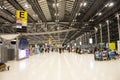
{"x": 60, "y": 50}
{"x": 8, "y": 68}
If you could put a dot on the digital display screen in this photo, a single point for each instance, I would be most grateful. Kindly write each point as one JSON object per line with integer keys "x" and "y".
{"x": 23, "y": 49}
{"x": 23, "y": 44}
{"x": 23, "y": 53}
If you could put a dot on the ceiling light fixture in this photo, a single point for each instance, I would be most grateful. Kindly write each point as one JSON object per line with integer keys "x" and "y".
{"x": 34, "y": 15}
{"x": 86, "y": 24}
{"x": 111, "y": 4}
{"x": 5, "y": 8}
{"x": 74, "y": 20}
{"x": 53, "y": 4}
{"x": 84, "y": 4}
{"x": 55, "y": 14}
{"x": 26, "y": 5}
{"x": 79, "y": 14}
{"x": 56, "y": 20}
{"x": 1, "y": 7}
{"x": 91, "y": 20}
{"x": 57, "y": 4}
{"x": 99, "y": 14}
{"x": 76, "y": 14}
{"x": 81, "y": 4}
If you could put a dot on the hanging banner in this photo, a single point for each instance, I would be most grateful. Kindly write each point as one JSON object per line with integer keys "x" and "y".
{"x": 21, "y": 17}
{"x": 112, "y": 46}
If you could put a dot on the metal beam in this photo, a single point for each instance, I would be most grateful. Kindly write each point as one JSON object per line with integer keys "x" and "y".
{"x": 17, "y": 6}
{"x": 53, "y": 32}
{"x": 37, "y": 9}
{"x": 6, "y": 19}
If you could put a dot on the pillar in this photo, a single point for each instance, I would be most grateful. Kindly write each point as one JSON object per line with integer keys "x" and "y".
{"x": 101, "y": 38}
{"x": 118, "y": 19}
{"x": 108, "y": 30}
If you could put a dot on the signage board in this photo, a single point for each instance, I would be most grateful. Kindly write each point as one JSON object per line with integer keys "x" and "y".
{"x": 21, "y": 17}
{"x": 112, "y": 46}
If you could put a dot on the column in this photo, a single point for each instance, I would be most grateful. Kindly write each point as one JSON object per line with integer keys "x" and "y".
{"x": 108, "y": 30}
{"x": 17, "y": 52}
{"x": 95, "y": 36}
{"x": 118, "y": 19}
{"x": 101, "y": 40}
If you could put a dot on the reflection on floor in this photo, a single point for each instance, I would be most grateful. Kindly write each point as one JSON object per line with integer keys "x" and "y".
{"x": 65, "y": 66}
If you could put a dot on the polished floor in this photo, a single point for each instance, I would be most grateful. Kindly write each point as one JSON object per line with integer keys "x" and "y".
{"x": 66, "y": 66}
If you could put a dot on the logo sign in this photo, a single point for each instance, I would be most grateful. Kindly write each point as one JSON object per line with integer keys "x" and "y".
{"x": 21, "y": 17}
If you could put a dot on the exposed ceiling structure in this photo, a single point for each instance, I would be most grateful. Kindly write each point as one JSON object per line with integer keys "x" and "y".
{"x": 76, "y": 17}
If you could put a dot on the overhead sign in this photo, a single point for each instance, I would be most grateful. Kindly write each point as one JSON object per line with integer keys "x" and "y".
{"x": 50, "y": 40}
{"x": 21, "y": 14}
{"x": 21, "y": 17}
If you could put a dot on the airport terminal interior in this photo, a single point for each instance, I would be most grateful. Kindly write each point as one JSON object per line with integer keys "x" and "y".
{"x": 59, "y": 39}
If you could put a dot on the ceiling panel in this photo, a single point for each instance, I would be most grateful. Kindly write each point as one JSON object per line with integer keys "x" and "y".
{"x": 28, "y": 8}
{"x": 44, "y": 6}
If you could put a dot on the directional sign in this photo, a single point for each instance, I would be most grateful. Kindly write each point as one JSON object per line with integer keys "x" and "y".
{"x": 21, "y": 17}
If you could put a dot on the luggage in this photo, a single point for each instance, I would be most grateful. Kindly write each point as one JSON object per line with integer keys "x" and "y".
{"x": 2, "y": 66}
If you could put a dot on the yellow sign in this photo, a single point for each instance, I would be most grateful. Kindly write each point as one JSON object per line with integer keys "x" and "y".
{"x": 50, "y": 40}
{"x": 112, "y": 46}
{"x": 21, "y": 14}
{"x": 21, "y": 17}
